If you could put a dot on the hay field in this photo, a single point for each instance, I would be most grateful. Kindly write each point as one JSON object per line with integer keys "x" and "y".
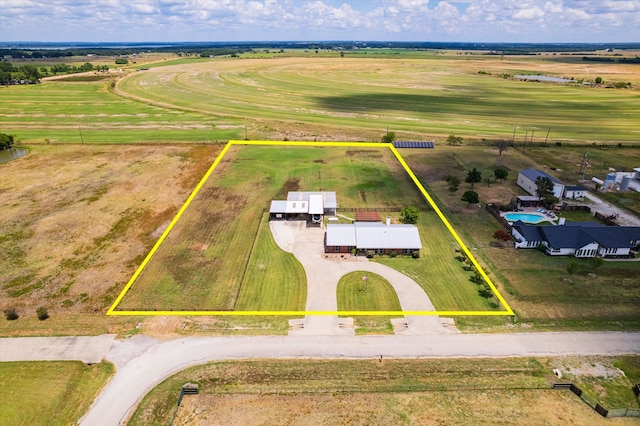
{"x": 356, "y": 98}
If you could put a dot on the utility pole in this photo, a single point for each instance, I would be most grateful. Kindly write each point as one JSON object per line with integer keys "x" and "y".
{"x": 81, "y": 138}
{"x": 531, "y": 142}
{"x": 513, "y": 138}
{"x": 545, "y": 139}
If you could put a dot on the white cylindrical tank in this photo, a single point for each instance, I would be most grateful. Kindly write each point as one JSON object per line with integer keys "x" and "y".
{"x": 624, "y": 185}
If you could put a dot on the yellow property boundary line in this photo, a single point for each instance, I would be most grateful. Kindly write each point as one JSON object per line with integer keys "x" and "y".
{"x": 507, "y": 312}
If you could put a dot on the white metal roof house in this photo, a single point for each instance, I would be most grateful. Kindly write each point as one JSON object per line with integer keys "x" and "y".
{"x": 377, "y": 237}
{"x": 579, "y": 239}
{"x": 304, "y": 205}
{"x": 527, "y": 181}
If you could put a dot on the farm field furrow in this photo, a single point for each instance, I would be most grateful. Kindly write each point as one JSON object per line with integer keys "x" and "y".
{"x": 410, "y": 95}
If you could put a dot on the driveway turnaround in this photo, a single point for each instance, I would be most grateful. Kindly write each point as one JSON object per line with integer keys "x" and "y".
{"x": 88, "y": 349}
{"x": 138, "y": 374}
{"x": 323, "y": 274}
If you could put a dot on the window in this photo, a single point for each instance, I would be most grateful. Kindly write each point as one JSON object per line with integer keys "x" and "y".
{"x": 336, "y": 248}
{"x": 379, "y": 251}
{"x": 407, "y": 251}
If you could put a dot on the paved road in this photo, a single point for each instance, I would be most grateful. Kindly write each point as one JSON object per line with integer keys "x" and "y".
{"x": 142, "y": 363}
{"x": 88, "y": 349}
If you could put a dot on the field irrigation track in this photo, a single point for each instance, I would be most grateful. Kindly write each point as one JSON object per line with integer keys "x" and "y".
{"x": 309, "y": 98}
{"x": 196, "y": 267}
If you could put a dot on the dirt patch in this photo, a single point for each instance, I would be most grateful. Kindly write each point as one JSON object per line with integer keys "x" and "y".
{"x": 289, "y": 185}
{"x": 78, "y": 220}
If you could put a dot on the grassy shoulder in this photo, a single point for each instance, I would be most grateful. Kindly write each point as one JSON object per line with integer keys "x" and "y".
{"x": 53, "y": 393}
{"x": 452, "y": 386}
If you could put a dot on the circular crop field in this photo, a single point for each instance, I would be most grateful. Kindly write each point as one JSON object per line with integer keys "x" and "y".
{"x": 359, "y": 98}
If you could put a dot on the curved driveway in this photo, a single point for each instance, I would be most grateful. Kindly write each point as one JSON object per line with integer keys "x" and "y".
{"x": 142, "y": 363}
{"x": 323, "y": 274}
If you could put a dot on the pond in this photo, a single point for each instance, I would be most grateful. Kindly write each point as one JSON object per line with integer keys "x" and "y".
{"x": 536, "y": 77}
{"x": 7, "y": 155}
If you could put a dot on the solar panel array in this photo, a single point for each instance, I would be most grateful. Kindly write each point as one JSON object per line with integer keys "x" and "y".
{"x": 413, "y": 144}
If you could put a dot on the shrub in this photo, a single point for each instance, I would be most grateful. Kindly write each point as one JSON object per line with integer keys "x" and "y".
{"x": 11, "y": 314}
{"x": 42, "y": 312}
{"x": 393, "y": 254}
{"x": 502, "y": 235}
{"x": 415, "y": 255}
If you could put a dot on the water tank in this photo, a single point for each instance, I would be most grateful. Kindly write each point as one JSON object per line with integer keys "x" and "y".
{"x": 624, "y": 185}
{"x": 610, "y": 176}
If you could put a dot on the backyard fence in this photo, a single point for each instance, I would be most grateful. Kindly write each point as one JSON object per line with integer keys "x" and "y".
{"x": 604, "y": 412}
{"x": 572, "y": 207}
{"x": 607, "y": 220}
{"x": 371, "y": 209}
{"x": 493, "y": 211}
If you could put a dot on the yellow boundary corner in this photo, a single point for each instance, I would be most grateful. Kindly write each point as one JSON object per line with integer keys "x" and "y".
{"x": 507, "y": 312}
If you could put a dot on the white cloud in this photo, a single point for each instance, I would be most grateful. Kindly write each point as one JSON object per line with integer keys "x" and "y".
{"x": 462, "y": 20}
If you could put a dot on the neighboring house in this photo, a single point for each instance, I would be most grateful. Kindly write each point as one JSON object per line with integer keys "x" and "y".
{"x": 527, "y": 181}
{"x": 572, "y": 192}
{"x": 579, "y": 239}
{"x": 376, "y": 237}
{"x": 304, "y": 206}
{"x": 637, "y": 170}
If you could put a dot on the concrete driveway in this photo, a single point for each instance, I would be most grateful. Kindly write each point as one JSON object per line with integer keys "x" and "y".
{"x": 324, "y": 272}
{"x": 88, "y": 349}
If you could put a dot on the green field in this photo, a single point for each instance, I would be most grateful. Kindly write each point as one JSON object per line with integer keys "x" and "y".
{"x": 210, "y": 255}
{"x": 303, "y": 96}
{"x": 412, "y": 96}
{"x": 49, "y": 393}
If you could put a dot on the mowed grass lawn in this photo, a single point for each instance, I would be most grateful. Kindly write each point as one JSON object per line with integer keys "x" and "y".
{"x": 274, "y": 280}
{"x": 207, "y": 264}
{"x": 49, "y": 393}
{"x": 373, "y": 294}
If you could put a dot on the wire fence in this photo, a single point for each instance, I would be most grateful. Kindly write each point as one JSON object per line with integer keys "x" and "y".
{"x": 600, "y": 409}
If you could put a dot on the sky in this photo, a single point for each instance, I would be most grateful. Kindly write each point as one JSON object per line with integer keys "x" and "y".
{"x": 529, "y": 21}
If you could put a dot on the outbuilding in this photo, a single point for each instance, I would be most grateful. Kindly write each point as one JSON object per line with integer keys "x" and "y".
{"x": 372, "y": 237}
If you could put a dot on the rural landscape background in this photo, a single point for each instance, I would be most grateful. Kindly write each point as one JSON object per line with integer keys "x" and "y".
{"x": 113, "y": 153}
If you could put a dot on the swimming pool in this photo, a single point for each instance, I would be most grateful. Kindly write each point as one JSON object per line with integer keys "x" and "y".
{"x": 525, "y": 217}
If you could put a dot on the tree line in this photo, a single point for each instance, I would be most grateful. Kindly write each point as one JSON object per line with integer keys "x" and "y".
{"x": 11, "y": 74}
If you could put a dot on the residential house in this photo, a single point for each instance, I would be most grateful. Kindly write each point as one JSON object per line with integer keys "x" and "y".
{"x": 579, "y": 239}
{"x": 309, "y": 206}
{"x": 375, "y": 237}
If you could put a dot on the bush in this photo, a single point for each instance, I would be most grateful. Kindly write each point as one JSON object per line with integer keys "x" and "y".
{"x": 415, "y": 255}
{"x": 393, "y": 254}
{"x": 11, "y": 314}
{"x": 122, "y": 61}
{"x": 42, "y": 312}
{"x": 502, "y": 235}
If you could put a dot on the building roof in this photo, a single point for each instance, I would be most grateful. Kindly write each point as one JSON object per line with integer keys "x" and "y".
{"x": 575, "y": 188}
{"x": 579, "y": 234}
{"x": 316, "y": 204}
{"x": 329, "y": 197}
{"x": 369, "y": 236}
{"x": 533, "y": 174}
{"x": 341, "y": 235}
{"x": 297, "y": 206}
{"x": 278, "y": 206}
{"x": 530, "y": 233}
{"x": 528, "y": 198}
{"x": 367, "y": 217}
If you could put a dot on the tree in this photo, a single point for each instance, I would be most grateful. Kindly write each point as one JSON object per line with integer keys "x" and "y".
{"x": 470, "y": 197}
{"x": 544, "y": 190}
{"x": 501, "y": 173}
{"x": 502, "y": 235}
{"x": 599, "y": 80}
{"x": 122, "y": 61}
{"x": 473, "y": 176}
{"x": 453, "y": 182}
{"x": 11, "y": 314}
{"x": 6, "y": 141}
{"x": 389, "y": 137}
{"x": 42, "y": 312}
{"x": 572, "y": 267}
{"x": 454, "y": 140}
{"x": 502, "y": 146}
{"x": 488, "y": 180}
{"x": 596, "y": 262}
{"x": 410, "y": 214}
